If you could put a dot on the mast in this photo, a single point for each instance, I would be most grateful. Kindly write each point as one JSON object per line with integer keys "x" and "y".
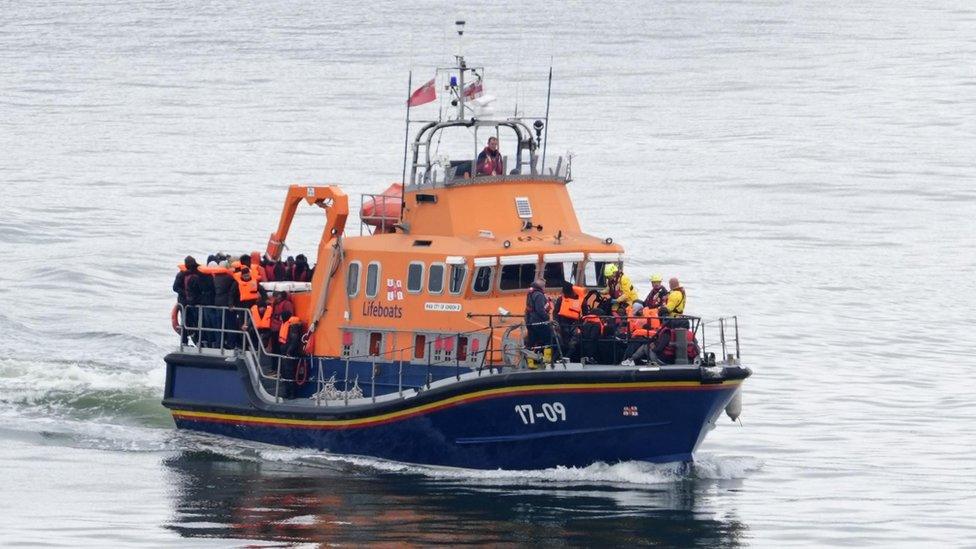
{"x": 461, "y": 68}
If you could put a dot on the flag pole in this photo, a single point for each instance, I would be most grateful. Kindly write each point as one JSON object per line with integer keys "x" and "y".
{"x": 406, "y": 139}
{"x": 545, "y": 140}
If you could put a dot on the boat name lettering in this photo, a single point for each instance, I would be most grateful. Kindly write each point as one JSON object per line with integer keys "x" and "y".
{"x": 377, "y": 309}
{"x": 552, "y": 412}
{"x": 443, "y": 307}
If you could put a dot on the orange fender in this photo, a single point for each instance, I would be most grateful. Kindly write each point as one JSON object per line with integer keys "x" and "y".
{"x": 174, "y": 318}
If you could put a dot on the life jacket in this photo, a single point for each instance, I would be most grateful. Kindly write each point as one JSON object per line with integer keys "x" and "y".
{"x": 529, "y": 304}
{"x": 648, "y": 326}
{"x": 679, "y": 308}
{"x": 572, "y": 307}
{"x": 283, "y": 331}
{"x": 670, "y": 351}
{"x": 261, "y": 322}
{"x": 594, "y": 320}
{"x": 280, "y": 306}
{"x": 613, "y": 286}
{"x": 247, "y": 288}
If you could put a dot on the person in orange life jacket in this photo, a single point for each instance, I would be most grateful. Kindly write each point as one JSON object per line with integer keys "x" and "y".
{"x": 490, "y": 160}
{"x": 282, "y": 308}
{"x": 245, "y": 293}
{"x": 591, "y": 330}
{"x": 658, "y": 295}
{"x": 189, "y": 293}
{"x": 568, "y": 312}
{"x": 259, "y": 316}
{"x": 290, "y": 268}
{"x": 302, "y": 272}
{"x": 644, "y": 335}
{"x": 537, "y": 311}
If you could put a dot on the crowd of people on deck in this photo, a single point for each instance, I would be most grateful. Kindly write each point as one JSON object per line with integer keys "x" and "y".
{"x": 611, "y": 325}
{"x": 228, "y": 282}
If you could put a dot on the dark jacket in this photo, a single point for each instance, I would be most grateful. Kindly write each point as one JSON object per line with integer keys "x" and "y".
{"x": 223, "y": 295}
{"x": 536, "y": 307}
{"x": 188, "y": 287}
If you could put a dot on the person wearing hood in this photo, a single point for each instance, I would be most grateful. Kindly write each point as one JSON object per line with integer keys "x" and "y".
{"x": 189, "y": 294}
{"x": 302, "y": 272}
{"x": 537, "y": 311}
{"x": 224, "y": 285}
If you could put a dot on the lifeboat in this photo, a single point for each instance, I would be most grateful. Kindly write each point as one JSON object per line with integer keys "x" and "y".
{"x": 409, "y": 344}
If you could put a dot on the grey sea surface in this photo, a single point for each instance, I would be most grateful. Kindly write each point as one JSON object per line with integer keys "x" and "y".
{"x": 810, "y": 167}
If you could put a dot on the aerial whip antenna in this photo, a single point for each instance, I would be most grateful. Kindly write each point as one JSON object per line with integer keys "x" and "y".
{"x": 545, "y": 139}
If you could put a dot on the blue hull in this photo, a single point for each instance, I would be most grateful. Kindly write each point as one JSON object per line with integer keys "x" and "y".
{"x": 523, "y": 420}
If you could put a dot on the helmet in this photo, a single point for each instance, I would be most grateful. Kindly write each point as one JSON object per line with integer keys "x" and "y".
{"x": 610, "y": 269}
{"x": 656, "y": 277}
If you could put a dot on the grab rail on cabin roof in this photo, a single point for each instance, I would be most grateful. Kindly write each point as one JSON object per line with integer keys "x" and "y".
{"x": 225, "y": 340}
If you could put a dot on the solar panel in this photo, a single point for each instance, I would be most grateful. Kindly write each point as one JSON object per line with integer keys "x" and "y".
{"x": 523, "y": 207}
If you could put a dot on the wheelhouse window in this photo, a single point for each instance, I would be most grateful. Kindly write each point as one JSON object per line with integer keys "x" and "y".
{"x": 352, "y": 279}
{"x": 372, "y": 279}
{"x": 415, "y": 277}
{"x": 482, "y": 280}
{"x": 516, "y": 277}
{"x": 456, "y": 282}
{"x": 435, "y": 278}
{"x": 560, "y": 271}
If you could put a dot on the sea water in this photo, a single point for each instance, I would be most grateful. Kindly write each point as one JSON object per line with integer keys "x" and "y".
{"x": 808, "y": 167}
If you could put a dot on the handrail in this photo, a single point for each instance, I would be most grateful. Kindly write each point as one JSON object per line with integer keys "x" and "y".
{"x": 204, "y": 334}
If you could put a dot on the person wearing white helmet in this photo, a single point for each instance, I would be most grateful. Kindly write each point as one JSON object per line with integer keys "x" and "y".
{"x": 619, "y": 288}
{"x": 658, "y": 295}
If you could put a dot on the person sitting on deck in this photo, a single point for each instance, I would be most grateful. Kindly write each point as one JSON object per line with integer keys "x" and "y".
{"x": 282, "y": 309}
{"x": 642, "y": 334}
{"x": 490, "y": 161}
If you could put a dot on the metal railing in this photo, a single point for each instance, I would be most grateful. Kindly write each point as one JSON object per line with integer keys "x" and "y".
{"x": 727, "y": 328}
{"x": 378, "y": 221}
{"x": 228, "y": 331}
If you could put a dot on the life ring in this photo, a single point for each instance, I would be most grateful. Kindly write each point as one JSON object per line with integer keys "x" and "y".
{"x": 174, "y": 318}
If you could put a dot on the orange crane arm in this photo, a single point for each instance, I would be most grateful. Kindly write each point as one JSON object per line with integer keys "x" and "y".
{"x": 330, "y": 198}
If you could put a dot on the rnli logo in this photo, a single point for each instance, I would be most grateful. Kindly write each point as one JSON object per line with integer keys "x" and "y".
{"x": 630, "y": 410}
{"x": 394, "y": 290}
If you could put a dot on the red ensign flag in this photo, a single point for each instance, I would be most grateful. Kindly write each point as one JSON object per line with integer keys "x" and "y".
{"x": 423, "y": 94}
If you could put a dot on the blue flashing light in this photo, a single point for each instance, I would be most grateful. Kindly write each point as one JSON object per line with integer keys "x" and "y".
{"x": 454, "y": 81}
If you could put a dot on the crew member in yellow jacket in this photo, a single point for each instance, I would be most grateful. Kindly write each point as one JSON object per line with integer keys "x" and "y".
{"x": 619, "y": 287}
{"x": 676, "y": 298}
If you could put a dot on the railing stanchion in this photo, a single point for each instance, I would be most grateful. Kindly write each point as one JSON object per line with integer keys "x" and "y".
{"x": 182, "y": 312}
{"x": 721, "y": 327}
{"x": 199, "y": 329}
{"x": 318, "y": 385}
{"x": 223, "y": 325}
{"x": 345, "y": 384}
{"x": 372, "y": 381}
{"x": 428, "y": 365}
{"x": 457, "y": 359}
{"x": 278, "y": 382}
{"x": 400, "y": 381}
{"x": 735, "y": 321}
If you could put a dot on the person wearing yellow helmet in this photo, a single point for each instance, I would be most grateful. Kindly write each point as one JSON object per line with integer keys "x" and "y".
{"x": 658, "y": 295}
{"x": 619, "y": 288}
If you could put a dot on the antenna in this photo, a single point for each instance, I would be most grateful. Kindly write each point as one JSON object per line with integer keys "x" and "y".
{"x": 545, "y": 140}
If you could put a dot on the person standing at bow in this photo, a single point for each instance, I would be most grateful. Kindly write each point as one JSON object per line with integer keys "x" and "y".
{"x": 676, "y": 298}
